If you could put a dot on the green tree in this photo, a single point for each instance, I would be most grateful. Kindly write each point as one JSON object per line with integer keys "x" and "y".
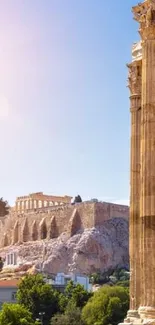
{"x": 63, "y": 302}
{"x": 77, "y": 199}
{"x": 77, "y": 294}
{"x": 108, "y": 305}
{"x": 72, "y": 316}
{"x": 4, "y": 207}
{"x": 14, "y": 314}
{"x": 37, "y": 296}
{"x": 125, "y": 283}
{"x": 121, "y": 274}
{"x": 100, "y": 278}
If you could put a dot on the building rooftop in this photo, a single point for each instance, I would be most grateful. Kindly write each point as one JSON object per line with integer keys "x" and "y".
{"x": 9, "y": 283}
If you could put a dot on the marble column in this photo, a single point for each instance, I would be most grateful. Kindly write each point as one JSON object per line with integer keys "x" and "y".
{"x": 16, "y": 206}
{"x": 24, "y": 205}
{"x": 21, "y": 207}
{"x": 32, "y": 205}
{"x": 37, "y": 204}
{"x": 135, "y": 71}
{"x": 48, "y": 204}
{"x": 142, "y": 211}
{"x": 147, "y": 207}
{"x": 29, "y": 204}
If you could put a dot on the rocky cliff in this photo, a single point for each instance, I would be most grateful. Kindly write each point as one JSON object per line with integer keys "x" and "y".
{"x": 89, "y": 250}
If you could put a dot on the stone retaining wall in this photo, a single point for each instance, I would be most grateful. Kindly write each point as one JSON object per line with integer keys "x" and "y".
{"x": 47, "y": 224}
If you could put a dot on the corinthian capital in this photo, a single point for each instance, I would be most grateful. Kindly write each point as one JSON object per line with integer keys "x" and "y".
{"x": 135, "y": 77}
{"x": 144, "y": 13}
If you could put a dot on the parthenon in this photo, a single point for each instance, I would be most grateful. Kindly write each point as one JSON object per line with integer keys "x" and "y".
{"x": 38, "y": 201}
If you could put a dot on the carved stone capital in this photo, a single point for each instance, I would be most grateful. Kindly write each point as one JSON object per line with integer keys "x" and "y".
{"x": 144, "y": 13}
{"x": 135, "y": 77}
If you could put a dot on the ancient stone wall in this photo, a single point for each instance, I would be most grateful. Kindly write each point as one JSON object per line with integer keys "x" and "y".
{"x": 50, "y": 223}
{"x": 105, "y": 211}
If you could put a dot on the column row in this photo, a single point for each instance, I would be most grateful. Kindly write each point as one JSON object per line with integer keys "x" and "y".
{"x": 31, "y": 204}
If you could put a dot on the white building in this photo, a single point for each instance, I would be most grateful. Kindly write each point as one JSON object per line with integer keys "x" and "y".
{"x": 11, "y": 259}
{"x": 63, "y": 279}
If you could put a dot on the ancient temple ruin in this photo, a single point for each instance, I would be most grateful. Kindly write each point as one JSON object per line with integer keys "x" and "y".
{"x": 142, "y": 173}
{"x": 50, "y": 222}
{"x": 39, "y": 201}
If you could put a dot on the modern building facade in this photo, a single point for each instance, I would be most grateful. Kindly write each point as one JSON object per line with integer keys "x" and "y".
{"x": 63, "y": 279}
{"x": 8, "y": 290}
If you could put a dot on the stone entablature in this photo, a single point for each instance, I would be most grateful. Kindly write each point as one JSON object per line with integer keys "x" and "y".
{"x": 47, "y": 224}
{"x": 39, "y": 201}
{"x": 137, "y": 51}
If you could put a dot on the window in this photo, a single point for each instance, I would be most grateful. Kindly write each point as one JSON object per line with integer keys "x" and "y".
{"x": 14, "y": 295}
{"x": 11, "y": 259}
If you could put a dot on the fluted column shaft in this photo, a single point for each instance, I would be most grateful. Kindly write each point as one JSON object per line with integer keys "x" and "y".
{"x": 134, "y": 226}
{"x": 20, "y": 206}
{"x": 37, "y": 204}
{"x": 135, "y": 72}
{"x": 147, "y": 206}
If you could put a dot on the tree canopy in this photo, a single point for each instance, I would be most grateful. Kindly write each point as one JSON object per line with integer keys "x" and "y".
{"x": 15, "y": 314}
{"x": 119, "y": 277}
{"x": 71, "y": 316}
{"x": 4, "y": 207}
{"x": 77, "y": 294}
{"x": 108, "y": 305}
{"x": 77, "y": 199}
{"x": 37, "y": 296}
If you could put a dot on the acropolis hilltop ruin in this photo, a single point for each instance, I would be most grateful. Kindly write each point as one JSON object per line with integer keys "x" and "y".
{"x": 39, "y": 217}
{"x": 39, "y": 201}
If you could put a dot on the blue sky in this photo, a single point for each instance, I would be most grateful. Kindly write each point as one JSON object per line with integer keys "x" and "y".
{"x": 64, "y": 107}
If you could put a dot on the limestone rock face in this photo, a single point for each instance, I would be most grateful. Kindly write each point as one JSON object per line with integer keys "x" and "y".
{"x": 89, "y": 250}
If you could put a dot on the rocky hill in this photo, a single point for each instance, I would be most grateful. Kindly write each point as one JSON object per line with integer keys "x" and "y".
{"x": 90, "y": 250}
